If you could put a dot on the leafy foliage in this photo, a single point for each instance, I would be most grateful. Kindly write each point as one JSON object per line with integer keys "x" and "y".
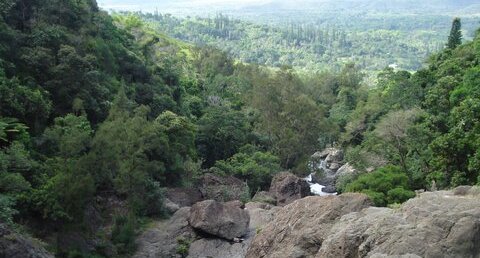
{"x": 255, "y": 167}
{"x": 387, "y": 185}
{"x": 315, "y": 41}
{"x": 94, "y": 107}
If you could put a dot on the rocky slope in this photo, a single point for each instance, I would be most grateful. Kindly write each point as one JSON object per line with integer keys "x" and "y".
{"x": 435, "y": 224}
{"x": 13, "y": 245}
{"x": 285, "y": 223}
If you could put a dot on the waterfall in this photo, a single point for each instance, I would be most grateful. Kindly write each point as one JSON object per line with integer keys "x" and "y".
{"x": 326, "y": 162}
{"x": 316, "y": 189}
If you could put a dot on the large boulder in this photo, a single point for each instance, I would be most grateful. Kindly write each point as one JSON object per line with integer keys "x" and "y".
{"x": 13, "y": 245}
{"x": 224, "y": 220}
{"x": 435, "y": 224}
{"x": 260, "y": 215}
{"x": 161, "y": 240}
{"x": 220, "y": 188}
{"x": 286, "y": 188}
{"x": 299, "y": 229}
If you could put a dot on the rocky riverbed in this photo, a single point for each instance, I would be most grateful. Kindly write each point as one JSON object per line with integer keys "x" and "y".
{"x": 434, "y": 224}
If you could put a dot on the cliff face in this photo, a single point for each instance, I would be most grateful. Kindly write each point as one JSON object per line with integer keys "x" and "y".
{"x": 435, "y": 224}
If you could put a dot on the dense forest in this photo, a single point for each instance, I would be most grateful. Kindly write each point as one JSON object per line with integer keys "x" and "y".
{"x": 98, "y": 109}
{"x": 318, "y": 42}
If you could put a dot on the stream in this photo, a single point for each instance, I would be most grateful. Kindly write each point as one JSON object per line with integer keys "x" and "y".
{"x": 316, "y": 189}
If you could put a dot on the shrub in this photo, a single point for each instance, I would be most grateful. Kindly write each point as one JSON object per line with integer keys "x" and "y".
{"x": 344, "y": 180}
{"x": 384, "y": 186}
{"x": 123, "y": 234}
{"x": 255, "y": 167}
{"x": 399, "y": 195}
{"x": 13, "y": 183}
{"x": 6, "y": 209}
{"x": 183, "y": 246}
{"x": 245, "y": 197}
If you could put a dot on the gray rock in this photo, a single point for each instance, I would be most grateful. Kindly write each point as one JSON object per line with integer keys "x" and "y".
{"x": 161, "y": 240}
{"x": 264, "y": 197}
{"x": 299, "y": 229}
{"x": 462, "y": 190}
{"x": 260, "y": 214}
{"x": 286, "y": 188}
{"x": 326, "y": 152}
{"x": 345, "y": 170}
{"x": 435, "y": 224}
{"x": 217, "y": 248}
{"x": 13, "y": 245}
{"x": 170, "y": 206}
{"x": 334, "y": 156}
{"x": 221, "y": 189}
{"x": 329, "y": 189}
{"x": 224, "y": 220}
{"x": 184, "y": 197}
{"x": 334, "y": 166}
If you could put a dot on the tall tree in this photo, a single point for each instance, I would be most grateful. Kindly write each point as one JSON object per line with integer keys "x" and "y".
{"x": 455, "y": 38}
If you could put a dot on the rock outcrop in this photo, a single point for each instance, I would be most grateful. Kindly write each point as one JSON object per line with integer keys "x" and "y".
{"x": 328, "y": 162}
{"x": 224, "y": 220}
{"x": 435, "y": 224}
{"x": 300, "y": 228}
{"x": 264, "y": 197}
{"x": 184, "y": 197}
{"x": 286, "y": 188}
{"x": 333, "y": 157}
{"x": 162, "y": 239}
{"x": 217, "y": 248}
{"x": 13, "y": 245}
{"x": 260, "y": 214}
{"x": 221, "y": 189}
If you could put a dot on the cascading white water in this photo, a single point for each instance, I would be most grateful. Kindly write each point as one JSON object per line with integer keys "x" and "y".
{"x": 316, "y": 189}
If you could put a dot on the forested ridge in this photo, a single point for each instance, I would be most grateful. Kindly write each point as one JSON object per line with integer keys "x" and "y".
{"x": 99, "y": 114}
{"x": 318, "y": 41}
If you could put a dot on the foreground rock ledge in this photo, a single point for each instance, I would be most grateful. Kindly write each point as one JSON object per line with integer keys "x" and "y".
{"x": 299, "y": 229}
{"x": 435, "y": 224}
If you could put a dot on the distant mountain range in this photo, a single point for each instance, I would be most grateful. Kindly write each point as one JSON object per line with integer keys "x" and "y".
{"x": 391, "y": 6}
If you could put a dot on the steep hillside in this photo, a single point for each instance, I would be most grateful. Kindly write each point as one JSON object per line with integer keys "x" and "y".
{"x": 107, "y": 124}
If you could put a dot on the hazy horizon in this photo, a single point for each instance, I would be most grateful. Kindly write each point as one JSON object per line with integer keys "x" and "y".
{"x": 209, "y": 6}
